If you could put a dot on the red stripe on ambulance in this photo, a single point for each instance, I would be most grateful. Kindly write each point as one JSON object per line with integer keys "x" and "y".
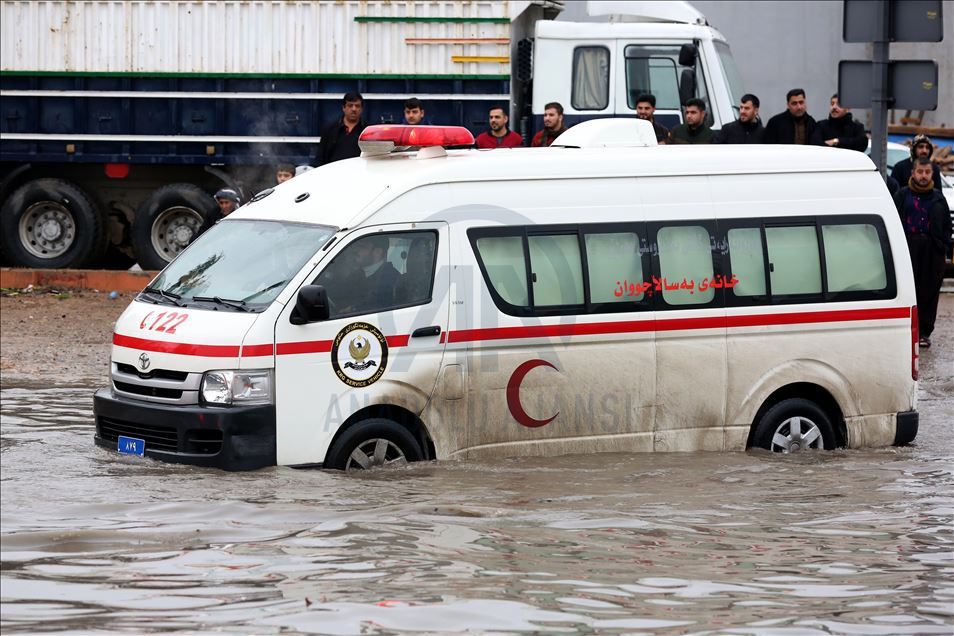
{"x": 178, "y": 348}
{"x": 537, "y": 331}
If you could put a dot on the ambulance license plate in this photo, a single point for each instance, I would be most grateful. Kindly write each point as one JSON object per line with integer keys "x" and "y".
{"x": 131, "y": 446}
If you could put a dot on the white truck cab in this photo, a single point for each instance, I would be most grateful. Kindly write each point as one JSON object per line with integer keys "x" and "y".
{"x": 597, "y": 295}
{"x": 666, "y": 49}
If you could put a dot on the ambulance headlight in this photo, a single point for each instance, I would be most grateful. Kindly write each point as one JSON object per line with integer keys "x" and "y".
{"x": 237, "y": 387}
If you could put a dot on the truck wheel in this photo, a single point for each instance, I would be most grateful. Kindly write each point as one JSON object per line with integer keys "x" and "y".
{"x": 373, "y": 443}
{"x": 50, "y": 223}
{"x": 794, "y": 425}
{"x": 166, "y": 222}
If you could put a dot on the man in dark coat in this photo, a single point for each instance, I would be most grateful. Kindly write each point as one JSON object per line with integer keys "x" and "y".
{"x": 927, "y": 227}
{"x": 792, "y": 126}
{"x": 694, "y": 131}
{"x": 921, "y": 146}
{"x": 840, "y": 130}
{"x": 380, "y": 276}
{"x": 747, "y": 129}
{"x": 339, "y": 138}
{"x": 645, "y": 107}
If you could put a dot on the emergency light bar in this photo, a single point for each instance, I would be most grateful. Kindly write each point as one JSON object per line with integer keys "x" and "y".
{"x": 384, "y": 138}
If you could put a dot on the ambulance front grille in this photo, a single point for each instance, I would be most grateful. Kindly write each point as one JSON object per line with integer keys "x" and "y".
{"x": 162, "y": 374}
{"x": 147, "y": 391}
{"x": 163, "y": 386}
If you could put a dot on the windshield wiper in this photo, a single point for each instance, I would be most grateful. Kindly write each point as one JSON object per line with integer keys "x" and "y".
{"x": 262, "y": 291}
{"x": 226, "y": 302}
{"x": 165, "y": 295}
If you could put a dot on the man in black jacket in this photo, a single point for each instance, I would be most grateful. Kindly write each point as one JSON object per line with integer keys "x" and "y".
{"x": 921, "y": 146}
{"x": 645, "y": 107}
{"x": 747, "y": 129}
{"x": 339, "y": 138}
{"x": 927, "y": 228}
{"x": 792, "y": 126}
{"x": 840, "y": 130}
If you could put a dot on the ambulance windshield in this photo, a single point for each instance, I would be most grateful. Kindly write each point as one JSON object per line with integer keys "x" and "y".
{"x": 239, "y": 265}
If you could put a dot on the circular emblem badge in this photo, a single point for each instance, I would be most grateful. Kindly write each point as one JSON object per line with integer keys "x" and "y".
{"x": 359, "y": 354}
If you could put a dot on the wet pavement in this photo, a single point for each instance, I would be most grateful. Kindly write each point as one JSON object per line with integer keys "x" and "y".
{"x": 849, "y": 541}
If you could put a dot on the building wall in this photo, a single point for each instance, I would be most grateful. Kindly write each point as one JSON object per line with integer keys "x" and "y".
{"x": 782, "y": 45}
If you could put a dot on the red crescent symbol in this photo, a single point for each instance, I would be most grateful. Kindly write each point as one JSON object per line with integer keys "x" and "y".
{"x": 513, "y": 394}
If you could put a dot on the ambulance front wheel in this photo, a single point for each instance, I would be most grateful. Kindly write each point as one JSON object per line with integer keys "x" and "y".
{"x": 373, "y": 443}
{"x": 794, "y": 425}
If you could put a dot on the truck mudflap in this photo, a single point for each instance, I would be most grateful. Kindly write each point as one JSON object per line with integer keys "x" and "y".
{"x": 234, "y": 438}
{"x": 907, "y": 428}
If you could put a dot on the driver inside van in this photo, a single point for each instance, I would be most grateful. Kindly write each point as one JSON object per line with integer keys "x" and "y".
{"x": 360, "y": 278}
{"x": 380, "y": 276}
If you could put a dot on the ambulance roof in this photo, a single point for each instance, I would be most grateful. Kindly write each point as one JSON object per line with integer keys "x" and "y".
{"x": 344, "y": 193}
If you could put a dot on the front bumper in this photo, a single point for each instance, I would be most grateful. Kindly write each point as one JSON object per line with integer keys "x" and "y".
{"x": 233, "y": 438}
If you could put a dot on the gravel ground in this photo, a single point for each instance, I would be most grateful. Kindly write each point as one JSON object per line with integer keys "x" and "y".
{"x": 57, "y": 337}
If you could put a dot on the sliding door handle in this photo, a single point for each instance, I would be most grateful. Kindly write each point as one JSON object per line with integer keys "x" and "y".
{"x": 424, "y": 332}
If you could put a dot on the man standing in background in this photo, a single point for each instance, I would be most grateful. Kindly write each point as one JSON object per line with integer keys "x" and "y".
{"x": 793, "y": 125}
{"x": 552, "y": 125}
{"x": 645, "y": 107}
{"x": 499, "y": 136}
{"x": 840, "y": 130}
{"x": 414, "y": 112}
{"x": 694, "y": 131}
{"x": 747, "y": 129}
{"x": 339, "y": 138}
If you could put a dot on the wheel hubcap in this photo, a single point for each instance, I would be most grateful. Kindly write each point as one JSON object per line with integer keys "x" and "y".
{"x": 47, "y": 229}
{"x": 795, "y": 434}
{"x": 375, "y": 452}
{"x": 174, "y": 229}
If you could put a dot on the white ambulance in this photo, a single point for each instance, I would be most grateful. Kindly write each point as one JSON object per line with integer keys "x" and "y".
{"x": 594, "y": 296}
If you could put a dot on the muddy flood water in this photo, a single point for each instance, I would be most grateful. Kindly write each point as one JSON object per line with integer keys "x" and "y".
{"x": 846, "y": 542}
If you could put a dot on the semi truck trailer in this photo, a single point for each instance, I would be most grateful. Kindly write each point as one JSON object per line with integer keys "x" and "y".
{"x": 121, "y": 119}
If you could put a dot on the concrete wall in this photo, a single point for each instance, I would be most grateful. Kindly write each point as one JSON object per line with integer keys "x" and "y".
{"x": 782, "y": 45}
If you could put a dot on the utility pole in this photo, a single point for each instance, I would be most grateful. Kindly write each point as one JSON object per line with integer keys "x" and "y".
{"x": 881, "y": 83}
{"x": 879, "y": 89}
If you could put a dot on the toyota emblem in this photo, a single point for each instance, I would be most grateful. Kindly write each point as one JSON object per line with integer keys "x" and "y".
{"x": 143, "y": 361}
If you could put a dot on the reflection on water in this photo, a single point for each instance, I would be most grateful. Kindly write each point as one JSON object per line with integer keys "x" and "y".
{"x": 856, "y": 542}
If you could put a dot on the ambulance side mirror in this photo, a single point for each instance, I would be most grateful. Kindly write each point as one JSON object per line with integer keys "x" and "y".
{"x": 311, "y": 305}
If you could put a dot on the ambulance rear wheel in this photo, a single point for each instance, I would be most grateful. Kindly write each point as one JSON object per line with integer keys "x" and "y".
{"x": 794, "y": 425}
{"x": 374, "y": 443}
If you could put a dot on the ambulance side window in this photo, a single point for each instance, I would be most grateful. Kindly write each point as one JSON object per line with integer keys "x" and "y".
{"x": 685, "y": 255}
{"x": 853, "y": 257}
{"x": 381, "y": 272}
{"x": 556, "y": 269}
{"x": 794, "y": 264}
{"x": 506, "y": 267}
{"x": 831, "y": 258}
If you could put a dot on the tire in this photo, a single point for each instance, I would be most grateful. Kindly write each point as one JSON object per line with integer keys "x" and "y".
{"x": 52, "y": 224}
{"x": 395, "y": 443}
{"x": 168, "y": 221}
{"x": 775, "y": 431}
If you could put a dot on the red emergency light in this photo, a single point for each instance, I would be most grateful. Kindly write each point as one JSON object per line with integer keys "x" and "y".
{"x": 417, "y": 136}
